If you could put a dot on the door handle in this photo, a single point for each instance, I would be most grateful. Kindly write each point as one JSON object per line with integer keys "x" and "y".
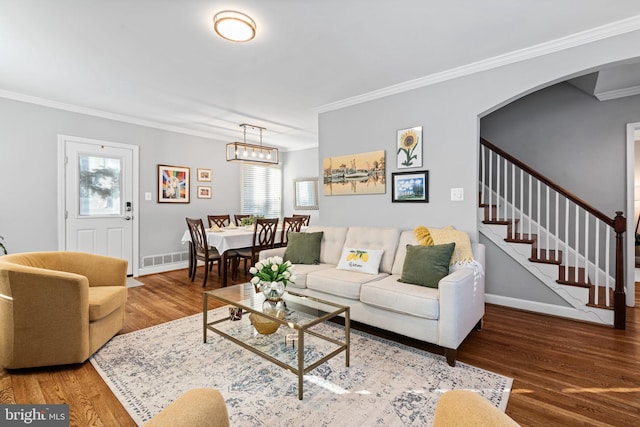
{"x": 127, "y": 218}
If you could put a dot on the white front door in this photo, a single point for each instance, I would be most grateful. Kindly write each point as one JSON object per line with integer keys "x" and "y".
{"x": 98, "y": 198}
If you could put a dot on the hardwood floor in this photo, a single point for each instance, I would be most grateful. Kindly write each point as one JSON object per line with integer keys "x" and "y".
{"x": 566, "y": 373}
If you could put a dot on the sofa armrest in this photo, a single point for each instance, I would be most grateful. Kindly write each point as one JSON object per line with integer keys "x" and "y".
{"x": 271, "y": 253}
{"x": 461, "y": 307}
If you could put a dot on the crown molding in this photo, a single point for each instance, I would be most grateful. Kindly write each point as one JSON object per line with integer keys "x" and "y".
{"x": 104, "y": 114}
{"x": 592, "y": 35}
{"x": 617, "y": 93}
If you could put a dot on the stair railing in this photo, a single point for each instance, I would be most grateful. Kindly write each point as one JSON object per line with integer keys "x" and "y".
{"x": 562, "y": 223}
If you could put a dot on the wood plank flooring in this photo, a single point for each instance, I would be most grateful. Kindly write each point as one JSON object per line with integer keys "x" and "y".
{"x": 566, "y": 373}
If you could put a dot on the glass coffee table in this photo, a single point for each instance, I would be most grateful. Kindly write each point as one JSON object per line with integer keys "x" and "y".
{"x": 299, "y": 322}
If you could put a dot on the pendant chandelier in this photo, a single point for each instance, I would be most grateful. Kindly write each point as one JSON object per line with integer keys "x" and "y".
{"x": 246, "y": 152}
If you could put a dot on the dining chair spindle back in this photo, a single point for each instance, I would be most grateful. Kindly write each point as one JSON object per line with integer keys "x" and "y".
{"x": 289, "y": 225}
{"x": 200, "y": 250}
{"x": 219, "y": 220}
{"x": 264, "y": 237}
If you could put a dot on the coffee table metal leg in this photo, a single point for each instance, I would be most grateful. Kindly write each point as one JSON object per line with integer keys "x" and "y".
{"x": 300, "y": 362}
{"x": 347, "y": 333}
{"x": 204, "y": 318}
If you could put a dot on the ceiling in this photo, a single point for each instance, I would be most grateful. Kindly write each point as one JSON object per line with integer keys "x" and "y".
{"x": 159, "y": 62}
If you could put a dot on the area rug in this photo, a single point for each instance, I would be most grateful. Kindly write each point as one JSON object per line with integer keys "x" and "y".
{"x": 386, "y": 384}
{"x": 132, "y": 283}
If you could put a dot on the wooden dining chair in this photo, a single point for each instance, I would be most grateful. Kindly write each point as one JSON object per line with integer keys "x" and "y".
{"x": 238, "y": 218}
{"x": 200, "y": 250}
{"x": 219, "y": 220}
{"x": 264, "y": 237}
{"x": 289, "y": 224}
{"x": 305, "y": 219}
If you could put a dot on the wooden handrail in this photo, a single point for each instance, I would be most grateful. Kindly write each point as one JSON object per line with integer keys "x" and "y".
{"x": 618, "y": 223}
{"x": 578, "y": 201}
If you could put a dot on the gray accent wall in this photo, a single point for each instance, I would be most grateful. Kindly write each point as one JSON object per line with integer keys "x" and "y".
{"x": 572, "y": 138}
{"x": 450, "y": 112}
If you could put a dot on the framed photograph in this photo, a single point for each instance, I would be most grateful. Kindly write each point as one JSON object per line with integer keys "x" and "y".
{"x": 204, "y": 192}
{"x": 409, "y": 148}
{"x": 410, "y": 187}
{"x": 173, "y": 184}
{"x": 204, "y": 174}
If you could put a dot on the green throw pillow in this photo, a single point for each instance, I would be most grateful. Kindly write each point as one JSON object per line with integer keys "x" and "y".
{"x": 303, "y": 248}
{"x": 426, "y": 265}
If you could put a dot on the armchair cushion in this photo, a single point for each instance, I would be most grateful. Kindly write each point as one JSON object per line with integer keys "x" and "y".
{"x": 104, "y": 300}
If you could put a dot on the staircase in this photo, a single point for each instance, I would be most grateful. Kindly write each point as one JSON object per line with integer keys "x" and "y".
{"x": 571, "y": 247}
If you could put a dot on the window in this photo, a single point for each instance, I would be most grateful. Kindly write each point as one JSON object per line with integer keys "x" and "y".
{"x": 261, "y": 191}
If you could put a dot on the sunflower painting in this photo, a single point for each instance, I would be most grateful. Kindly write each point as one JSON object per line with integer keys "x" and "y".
{"x": 410, "y": 148}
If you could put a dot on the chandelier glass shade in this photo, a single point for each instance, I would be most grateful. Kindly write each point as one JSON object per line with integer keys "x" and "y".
{"x": 255, "y": 153}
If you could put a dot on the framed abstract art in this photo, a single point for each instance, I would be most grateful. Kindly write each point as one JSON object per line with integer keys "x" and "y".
{"x": 173, "y": 184}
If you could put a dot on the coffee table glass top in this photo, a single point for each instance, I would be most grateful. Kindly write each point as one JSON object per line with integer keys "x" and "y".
{"x": 303, "y": 321}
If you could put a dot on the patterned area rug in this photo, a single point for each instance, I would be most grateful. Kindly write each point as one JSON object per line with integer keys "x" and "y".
{"x": 387, "y": 384}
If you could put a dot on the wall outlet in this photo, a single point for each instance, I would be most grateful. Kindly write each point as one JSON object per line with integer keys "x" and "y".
{"x": 457, "y": 194}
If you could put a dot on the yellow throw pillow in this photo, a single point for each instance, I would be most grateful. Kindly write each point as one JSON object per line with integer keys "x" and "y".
{"x": 439, "y": 236}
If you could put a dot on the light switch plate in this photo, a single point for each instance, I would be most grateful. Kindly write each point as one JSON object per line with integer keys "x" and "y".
{"x": 147, "y": 195}
{"x": 457, "y": 194}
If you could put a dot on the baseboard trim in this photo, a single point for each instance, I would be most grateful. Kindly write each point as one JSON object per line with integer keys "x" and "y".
{"x": 162, "y": 268}
{"x": 544, "y": 308}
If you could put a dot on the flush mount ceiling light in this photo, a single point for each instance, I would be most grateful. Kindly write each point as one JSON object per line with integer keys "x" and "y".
{"x": 245, "y": 152}
{"x": 234, "y": 26}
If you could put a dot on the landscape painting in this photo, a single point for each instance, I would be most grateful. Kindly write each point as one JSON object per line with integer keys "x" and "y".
{"x": 362, "y": 173}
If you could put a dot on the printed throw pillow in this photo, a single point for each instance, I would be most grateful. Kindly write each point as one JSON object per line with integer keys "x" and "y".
{"x": 426, "y": 265}
{"x": 303, "y": 248}
{"x": 360, "y": 260}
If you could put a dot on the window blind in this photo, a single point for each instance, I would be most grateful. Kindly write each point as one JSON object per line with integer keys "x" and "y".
{"x": 261, "y": 191}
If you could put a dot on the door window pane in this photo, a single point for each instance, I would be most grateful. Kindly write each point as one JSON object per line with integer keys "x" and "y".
{"x": 100, "y": 185}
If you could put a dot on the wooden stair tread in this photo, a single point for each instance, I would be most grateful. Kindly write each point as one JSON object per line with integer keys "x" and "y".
{"x": 546, "y": 256}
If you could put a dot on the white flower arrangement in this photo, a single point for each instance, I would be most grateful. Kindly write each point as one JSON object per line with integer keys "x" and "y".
{"x": 273, "y": 269}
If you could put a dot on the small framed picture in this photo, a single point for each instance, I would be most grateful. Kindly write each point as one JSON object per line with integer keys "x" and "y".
{"x": 204, "y": 192}
{"x": 173, "y": 184}
{"x": 204, "y": 174}
{"x": 409, "y": 148}
{"x": 410, "y": 187}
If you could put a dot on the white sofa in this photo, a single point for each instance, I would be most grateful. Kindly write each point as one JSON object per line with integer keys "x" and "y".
{"x": 442, "y": 316}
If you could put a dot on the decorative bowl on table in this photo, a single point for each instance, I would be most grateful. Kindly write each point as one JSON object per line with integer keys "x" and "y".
{"x": 264, "y": 325}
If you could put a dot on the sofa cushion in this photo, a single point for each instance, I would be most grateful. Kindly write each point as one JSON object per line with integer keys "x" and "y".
{"x": 303, "y": 248}
{"x": 332, "y": 242}
{"x": 385, "y": 238}
{"x": 103, "y": 300}
{"x": 360, "y": 259}
{"x": 426, "y": 265}
{"x": 342, "y": 283}
{"x": 301, "y": 271}
{"x": 389, "y": 294}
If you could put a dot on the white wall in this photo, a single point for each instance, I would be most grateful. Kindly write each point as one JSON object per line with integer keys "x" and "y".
{"x": 298, "y": 164}
{"x": 28, "y": 147}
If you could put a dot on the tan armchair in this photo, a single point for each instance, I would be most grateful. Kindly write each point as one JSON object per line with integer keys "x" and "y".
{"x": 58, "y": 308}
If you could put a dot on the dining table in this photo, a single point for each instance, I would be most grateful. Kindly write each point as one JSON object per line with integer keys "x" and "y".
{"x": 225, "y": 240}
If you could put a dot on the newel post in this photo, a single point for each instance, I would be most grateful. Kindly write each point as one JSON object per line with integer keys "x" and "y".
{"x": 619, "y": 300}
